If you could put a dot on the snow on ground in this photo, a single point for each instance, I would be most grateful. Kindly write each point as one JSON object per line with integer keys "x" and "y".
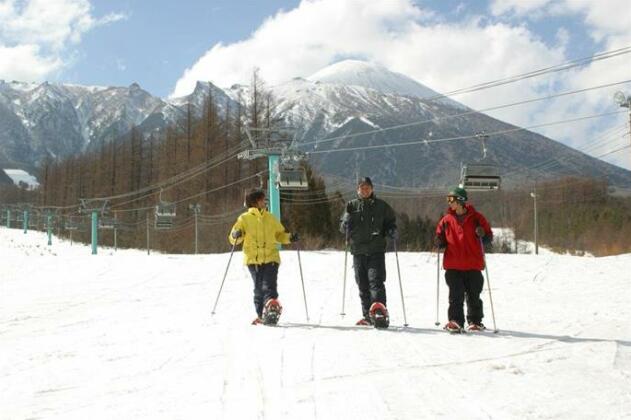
{"x": 129, "y": 336}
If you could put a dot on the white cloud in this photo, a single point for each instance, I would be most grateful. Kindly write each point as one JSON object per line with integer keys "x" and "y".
{"x": 443, "y": 55}
{"x": 42, "y": 33}
{"x": 25, "y": 62}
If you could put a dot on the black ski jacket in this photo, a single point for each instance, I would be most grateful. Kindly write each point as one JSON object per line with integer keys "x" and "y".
{"x": 366, "y": 222}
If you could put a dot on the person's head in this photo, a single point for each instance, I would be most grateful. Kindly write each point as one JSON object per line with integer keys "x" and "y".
{"x": 364, "y": 187}
{"x": 255, "y": 198}
{"x": 457, "y": 197}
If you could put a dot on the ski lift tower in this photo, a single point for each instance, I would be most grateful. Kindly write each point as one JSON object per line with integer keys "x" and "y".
{"x": 96, "y": 207}
{"x": 284, "y": 173}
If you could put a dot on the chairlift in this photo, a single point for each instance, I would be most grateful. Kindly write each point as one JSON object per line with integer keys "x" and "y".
{"x": 71, "y": 225}
{"x": 480, "y": 176}
{"x": 292, "y": 179}
{"x": 164, "y": 215}
{"x": 107, "y": 223}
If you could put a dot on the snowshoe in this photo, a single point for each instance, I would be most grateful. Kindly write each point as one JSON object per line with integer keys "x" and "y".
{"x": 453, "y": 327}
{"x": 363, "y": 322}
{"x": 476, "y": 327}
{"x": 379, "y": 315}
{"x": 271, "y": 312}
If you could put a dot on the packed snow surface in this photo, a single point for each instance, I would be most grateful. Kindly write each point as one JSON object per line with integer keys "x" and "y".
{"x": 126, "y": 335}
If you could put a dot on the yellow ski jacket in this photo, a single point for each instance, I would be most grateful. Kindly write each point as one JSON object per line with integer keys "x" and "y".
{"x": 261, "y": 234}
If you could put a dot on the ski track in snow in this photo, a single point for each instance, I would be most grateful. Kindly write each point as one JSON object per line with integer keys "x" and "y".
{"x": 126, "y": 335}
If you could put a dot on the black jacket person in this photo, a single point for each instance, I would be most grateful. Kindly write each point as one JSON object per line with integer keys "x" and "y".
{"x": 367, "y": 222}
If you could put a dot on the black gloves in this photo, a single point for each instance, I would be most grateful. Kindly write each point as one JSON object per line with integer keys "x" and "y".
{"x": 236, "y": 234}
{"x": 480, "y": 232}
{"x": 440, "y": 242}
{"x": 294, "y": 237}
{"x": 393, "y": 233}
{"x": 345, "y": 223}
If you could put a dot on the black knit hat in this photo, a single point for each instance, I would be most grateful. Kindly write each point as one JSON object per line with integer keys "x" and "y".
{"x": 364, "y": 180}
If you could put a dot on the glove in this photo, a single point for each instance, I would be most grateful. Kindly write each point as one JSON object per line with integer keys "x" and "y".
{"x": 393, "y": 233}
{"x": 480, "y": 232}
{"x": 236, "y": 234}
{"x": 294, "y": 237}
{"x": 345, "y": 225}
{"x": 440, "y": 242}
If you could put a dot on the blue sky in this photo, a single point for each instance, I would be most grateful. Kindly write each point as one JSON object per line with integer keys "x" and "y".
{"x": 159, "y": 39}
{"x": 166, "y": 46}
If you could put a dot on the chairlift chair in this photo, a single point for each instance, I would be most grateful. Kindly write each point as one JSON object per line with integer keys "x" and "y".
{"x": 292, "y": 179}
{"x": 164, "y": 215}
{"x": 480, "y": 177}
{"x": 71, "y": 225}
{"x": 107, "y": 223}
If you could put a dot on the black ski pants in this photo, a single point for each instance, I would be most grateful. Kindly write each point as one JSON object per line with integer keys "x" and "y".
{"x": 465, "y": 285}
{"x": 264, "y": 276}
{"x": 370, "y": 276}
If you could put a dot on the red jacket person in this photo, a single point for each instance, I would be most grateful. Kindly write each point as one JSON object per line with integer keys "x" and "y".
{"x": 462, "y": 232}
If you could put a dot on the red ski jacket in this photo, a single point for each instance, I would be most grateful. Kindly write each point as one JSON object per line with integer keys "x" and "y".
{"x": 463, "y": 250}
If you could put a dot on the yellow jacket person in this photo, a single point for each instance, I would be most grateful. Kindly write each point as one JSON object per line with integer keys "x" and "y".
{"x": 260, "y": 232}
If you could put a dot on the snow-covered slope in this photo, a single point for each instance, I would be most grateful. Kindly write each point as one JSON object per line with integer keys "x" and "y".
{"x": 130, "y": 336}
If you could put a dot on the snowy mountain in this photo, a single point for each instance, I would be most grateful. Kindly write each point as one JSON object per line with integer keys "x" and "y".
{"x": 375, "y": 77}
{"x": 129, "y": 336}
{"x": 58, "y": 120}
{"x": 339, "y": 103}
{"x": 338, "y": 111}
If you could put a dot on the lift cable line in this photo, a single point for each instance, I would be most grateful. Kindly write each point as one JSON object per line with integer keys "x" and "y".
{"x": 199, "y": 194}
{"x": 200, "y": 169}
{"x": 535, "y": 73}
{"x": 553, "y": 163}
{"x": 416, "y": 141}
{"x": 462, "y": 114}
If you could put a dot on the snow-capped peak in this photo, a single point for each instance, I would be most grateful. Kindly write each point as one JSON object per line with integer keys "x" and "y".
{"x": 372, "y": 76}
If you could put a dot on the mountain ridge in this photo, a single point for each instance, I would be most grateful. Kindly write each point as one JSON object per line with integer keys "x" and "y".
{"x": 348, "y": 100}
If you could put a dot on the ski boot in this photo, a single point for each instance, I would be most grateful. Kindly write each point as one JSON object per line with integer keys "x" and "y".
{"x": 363, "y": 322}
{"x": 257, "y": 321}
{"x": 453, "y": 327}
{"x": 271, "y": 312}
{"x": 379, "y": 315}
{"x": 476, "y": 327}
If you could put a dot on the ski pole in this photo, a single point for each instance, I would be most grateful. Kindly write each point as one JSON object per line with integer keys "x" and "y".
{"x": 488, "y": 285}
{"x": 437, "y": 283}
{"x": 224, "y": 278}
{"x": 344, "y": 282}
{"x": 304, "y": 294}
{"x": 396, "y": 255}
